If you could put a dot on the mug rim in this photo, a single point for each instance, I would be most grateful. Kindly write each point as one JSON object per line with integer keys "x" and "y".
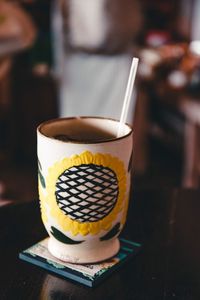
{"x": 39, "y": 127}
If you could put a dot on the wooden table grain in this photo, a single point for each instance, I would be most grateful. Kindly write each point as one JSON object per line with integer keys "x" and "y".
{"x": 166, "y": 222}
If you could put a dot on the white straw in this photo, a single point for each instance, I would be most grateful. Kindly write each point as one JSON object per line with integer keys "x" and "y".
{"x": 127, "y": 97}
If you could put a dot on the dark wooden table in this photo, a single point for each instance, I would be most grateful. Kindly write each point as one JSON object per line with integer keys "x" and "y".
{"x": 167, "y": 223}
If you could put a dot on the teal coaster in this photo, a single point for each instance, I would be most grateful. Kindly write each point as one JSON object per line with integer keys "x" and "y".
{"x": 87, "y": 274}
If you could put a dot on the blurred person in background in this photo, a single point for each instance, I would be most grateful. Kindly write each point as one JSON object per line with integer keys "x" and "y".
{"x": 93, "y": 44}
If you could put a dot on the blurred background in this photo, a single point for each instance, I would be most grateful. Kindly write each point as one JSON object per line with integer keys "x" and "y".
{"x": 72, "y": 57}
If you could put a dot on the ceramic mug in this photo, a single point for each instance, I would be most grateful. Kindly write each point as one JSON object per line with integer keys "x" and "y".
{"x": 84, "y": 184}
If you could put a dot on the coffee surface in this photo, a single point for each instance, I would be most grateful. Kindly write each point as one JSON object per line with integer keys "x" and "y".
{"x": 81, "y": 130}
{"x": 85, "y": 136}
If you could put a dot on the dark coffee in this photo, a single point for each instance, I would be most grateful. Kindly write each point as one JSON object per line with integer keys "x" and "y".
{"x": 81, "y": 130}
{"x": 85, "y": 136}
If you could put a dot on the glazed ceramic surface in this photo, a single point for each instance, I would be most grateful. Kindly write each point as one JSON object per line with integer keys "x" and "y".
{"x": 84, "y": 185}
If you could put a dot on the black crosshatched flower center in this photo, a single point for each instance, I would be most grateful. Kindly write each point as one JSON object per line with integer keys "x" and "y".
{"x": 87, "y": 193}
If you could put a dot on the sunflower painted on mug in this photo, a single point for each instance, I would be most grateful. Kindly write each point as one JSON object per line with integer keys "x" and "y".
{"x": 85, "y": 192}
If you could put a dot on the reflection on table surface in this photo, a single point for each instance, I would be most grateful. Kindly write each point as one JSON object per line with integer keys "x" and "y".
{"x": 166, "y": 222}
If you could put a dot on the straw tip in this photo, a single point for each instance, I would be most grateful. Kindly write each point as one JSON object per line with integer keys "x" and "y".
{"x": 135, "y": 59}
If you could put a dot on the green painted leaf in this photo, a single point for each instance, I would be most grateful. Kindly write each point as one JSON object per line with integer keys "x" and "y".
{"x": 111, "y": 233}
{"x": 63, "y": 238}
{"x": 42, "y": 180}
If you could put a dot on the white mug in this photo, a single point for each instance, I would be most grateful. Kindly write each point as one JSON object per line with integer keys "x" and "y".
{"x": 84, "y": 184}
